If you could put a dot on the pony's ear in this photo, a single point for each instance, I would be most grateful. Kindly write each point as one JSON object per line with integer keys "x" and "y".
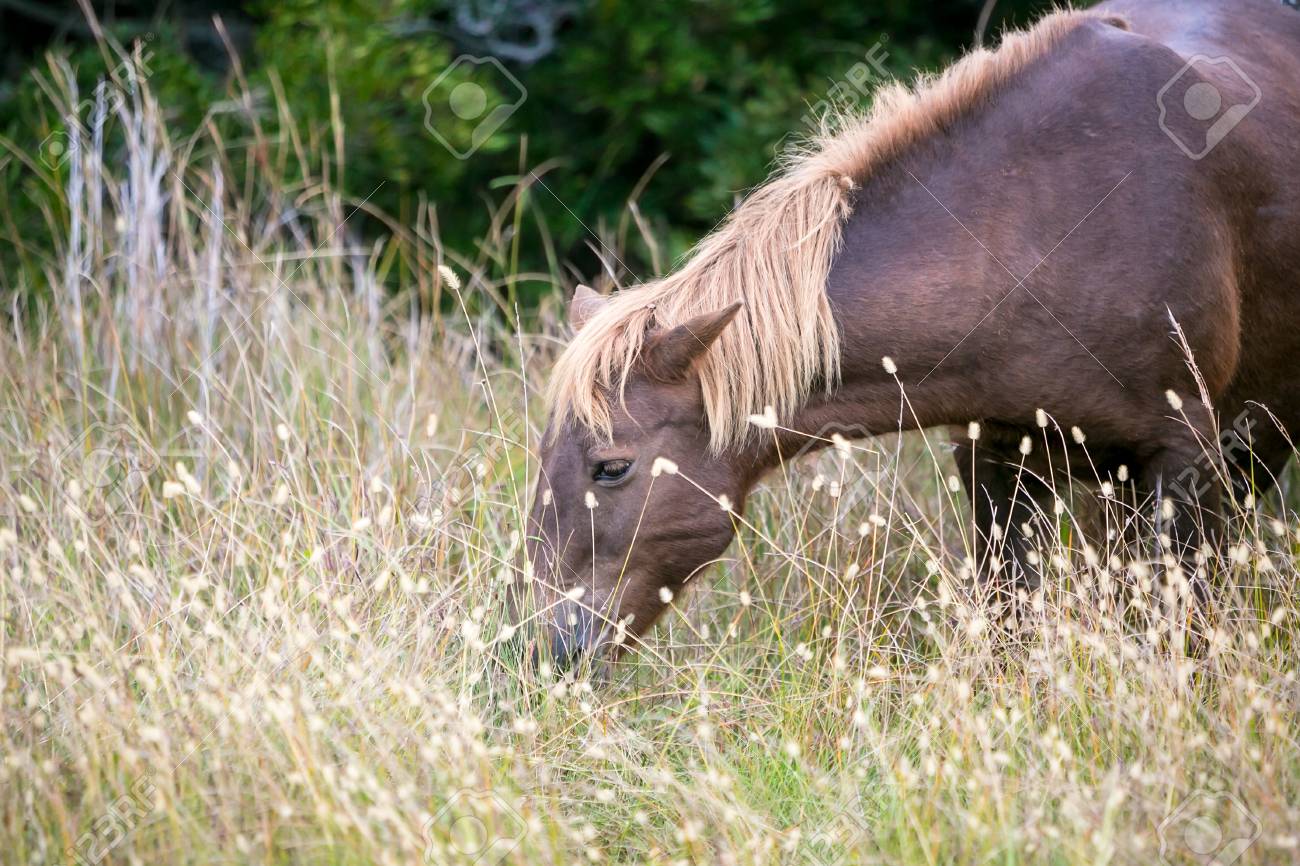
{"x": 669, "y": 354}
{"x": 585, "y": 304}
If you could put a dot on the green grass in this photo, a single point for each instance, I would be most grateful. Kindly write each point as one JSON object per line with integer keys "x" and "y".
{"x": 264, "y": 623}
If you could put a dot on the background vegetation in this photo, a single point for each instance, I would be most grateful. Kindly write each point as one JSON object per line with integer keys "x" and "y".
{"x": 677, "y": 105}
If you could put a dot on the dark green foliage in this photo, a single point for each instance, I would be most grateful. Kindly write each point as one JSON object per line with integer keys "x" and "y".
{"x": 717, "y": 87}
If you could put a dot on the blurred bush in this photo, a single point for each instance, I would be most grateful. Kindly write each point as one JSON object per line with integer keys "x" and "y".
{"x": 680, "y": 103}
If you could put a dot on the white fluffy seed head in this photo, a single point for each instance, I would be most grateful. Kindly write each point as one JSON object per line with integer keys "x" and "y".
{"x": 765, "y": 421}
{"x": 1175, "y": 401}
{"x": 1026, "y": 446}
{"x": 591, "y": 500}
{"x": 724, "y": 502}
{"x": 841, "y": 446}
{"x": 1040, "y": 418}
{"x": 973, "y": 430}
{"x": 1077, "y": 435}
{"x": 662, "y": 465}
{"x": 449, "y": 277}
{"x": 187, "y": 478}
{"x": 665, "y": 594}
{"x": 890, "y": 367}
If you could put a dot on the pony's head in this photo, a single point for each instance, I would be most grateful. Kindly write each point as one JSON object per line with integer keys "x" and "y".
{"x": 649, "y": 443}
{"x": 628, "y": 508}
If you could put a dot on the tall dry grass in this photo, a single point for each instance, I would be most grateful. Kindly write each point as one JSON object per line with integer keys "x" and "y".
{"x": 258, "y": 519}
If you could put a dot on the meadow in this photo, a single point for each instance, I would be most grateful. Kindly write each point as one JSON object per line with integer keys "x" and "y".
{"x": 259, "y": 514}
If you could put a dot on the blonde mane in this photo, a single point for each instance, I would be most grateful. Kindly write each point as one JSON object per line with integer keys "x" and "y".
{"x": 774, "y": 253}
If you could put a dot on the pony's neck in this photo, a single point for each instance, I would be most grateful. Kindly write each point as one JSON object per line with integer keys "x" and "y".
{"x": 856, "y": 410}
{"x": 912, "y": 350}
{"x": 874, "y": 397}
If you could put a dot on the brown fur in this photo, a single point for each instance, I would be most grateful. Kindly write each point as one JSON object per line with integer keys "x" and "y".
{"x": 1025, "y": 242}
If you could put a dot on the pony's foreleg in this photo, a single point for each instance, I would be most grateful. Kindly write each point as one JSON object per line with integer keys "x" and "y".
{"x": 1005, "y": 496}
{"x": 1187, "y": 517}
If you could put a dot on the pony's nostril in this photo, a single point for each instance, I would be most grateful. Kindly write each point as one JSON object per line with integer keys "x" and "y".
{"x": 564, "y": 652}
{"x": 571, "y": 635}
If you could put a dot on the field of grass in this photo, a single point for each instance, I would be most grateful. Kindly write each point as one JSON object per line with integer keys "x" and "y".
{"x": 258, "y": 516}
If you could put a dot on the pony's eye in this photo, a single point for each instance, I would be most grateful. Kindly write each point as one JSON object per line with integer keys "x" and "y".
{"x": 611, "y": 471}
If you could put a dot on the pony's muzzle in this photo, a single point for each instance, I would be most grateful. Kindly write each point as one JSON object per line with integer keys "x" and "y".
{"x": 572, "y": 633}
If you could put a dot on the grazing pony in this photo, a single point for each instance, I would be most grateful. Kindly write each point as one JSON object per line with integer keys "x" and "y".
{"x": 1046, "y": 230}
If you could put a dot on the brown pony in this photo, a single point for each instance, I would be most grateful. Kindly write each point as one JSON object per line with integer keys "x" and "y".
{"x": 1046, "y": 231}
